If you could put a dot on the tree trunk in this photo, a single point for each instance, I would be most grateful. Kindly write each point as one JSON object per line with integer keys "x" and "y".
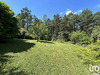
{"x": 27, "y": 23}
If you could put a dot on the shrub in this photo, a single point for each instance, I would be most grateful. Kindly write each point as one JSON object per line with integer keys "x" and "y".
{"x": 28, "y": 36}
{"x": 24, "y": 34}
{"x": 79, "y": 37}
{"x": 54, "y": 37}
{"x": 90, "y": 53}
{"x": 85, "y": 40}
{"x": 75, "y": 37}
{"x": 95, "y": 34}
{"x": 60, "y": 40}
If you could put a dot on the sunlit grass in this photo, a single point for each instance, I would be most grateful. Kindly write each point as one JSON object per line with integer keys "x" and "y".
{"x": 29, "y": 57}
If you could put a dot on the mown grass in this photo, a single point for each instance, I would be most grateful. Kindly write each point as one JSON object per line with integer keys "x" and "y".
{"x": 29, "y": 57}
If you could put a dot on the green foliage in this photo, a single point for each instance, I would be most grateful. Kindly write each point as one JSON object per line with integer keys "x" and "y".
{"x": 57, "y": 29}
{"x": 75, "y": 37}
{"x": 86, "y": 20}
{"x": 60, "y": 28}
{"x": 56, "y": 25}
{"x": 54, "y": 37}
{"x": 25, "y": 18}
{"x": 24, "y": 34}
{"x": 60, "y": 40}
{"x": 85, "y": 40}
{"x": 40, "y": 31}
{"x": 90, "y": 53}
{"x": 95, "y": 34}
{"x": 8, "y": 23}
{"x": 96, "y": 17}
{"x": 80, "y": 37}
{"x": 66, "y": 27}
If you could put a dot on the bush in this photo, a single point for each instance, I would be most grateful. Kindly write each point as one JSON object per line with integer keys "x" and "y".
{"x": 90, "y": 53}
{"x": 8, "y": 23}
{"x": 24, "y": 34}
{"x": 54, "y": 37}
{"x": 28, "y": 36}
{"x": 95, "y": 34}
{"x": 60, "y": 40}
{"x": 80, "y": 37}
{"x": 85, "y": 40}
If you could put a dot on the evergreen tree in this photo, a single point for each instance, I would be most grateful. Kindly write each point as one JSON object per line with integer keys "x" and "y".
{"x": 25, "y": 17}
{"x": 56, "y": 25}
{"x": 86, "y": 20}
{"x": 45, "y": 19}
{"x": 96, "y": 19}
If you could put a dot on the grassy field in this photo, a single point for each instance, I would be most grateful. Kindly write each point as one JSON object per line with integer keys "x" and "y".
{"x": 29, "y": 57}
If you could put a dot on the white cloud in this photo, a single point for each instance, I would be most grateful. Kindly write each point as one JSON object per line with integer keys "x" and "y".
{"x": 75, "y": 13}
{"x": 68, "y": 12}
{"x": 67, "y": 9}
{"x": 61, "y": 13}
{"x": 98, "y": 5}
{"x": 79, "y": 11}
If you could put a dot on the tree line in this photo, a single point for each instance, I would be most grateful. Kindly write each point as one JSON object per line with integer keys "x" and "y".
{"x": 59, "y": 27}
{"x": 28, "y": 26}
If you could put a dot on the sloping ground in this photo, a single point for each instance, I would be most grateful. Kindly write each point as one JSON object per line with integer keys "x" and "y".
{"x": 28, "y": 57}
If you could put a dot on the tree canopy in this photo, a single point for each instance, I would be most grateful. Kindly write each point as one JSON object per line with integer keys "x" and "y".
{"x": 60, "y": 27}
{"x": 8, "y": 23}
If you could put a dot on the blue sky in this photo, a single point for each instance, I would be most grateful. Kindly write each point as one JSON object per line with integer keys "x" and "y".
{"x": 51, "y": 7}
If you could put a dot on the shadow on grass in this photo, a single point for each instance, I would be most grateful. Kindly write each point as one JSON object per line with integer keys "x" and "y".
{"x": 14, "y": 46}
{"x": 45, "y": 41}
{"x": 13, "y": 71}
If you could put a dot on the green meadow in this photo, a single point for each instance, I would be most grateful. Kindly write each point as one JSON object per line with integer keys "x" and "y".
{"x": 29, "y": 57}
